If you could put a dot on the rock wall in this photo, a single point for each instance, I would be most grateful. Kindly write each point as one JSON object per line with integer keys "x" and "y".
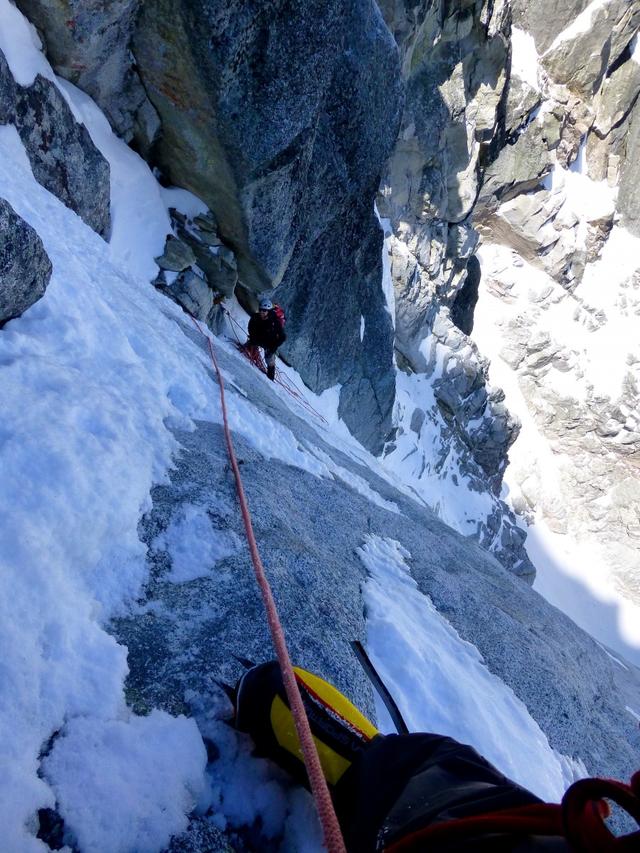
{"x": 281, "y": 116}
{"x": 454, "y": 60}
{"x": 67, "y": 163}
{"x": 578, "y": 107}
{"x": 88, "y": 43}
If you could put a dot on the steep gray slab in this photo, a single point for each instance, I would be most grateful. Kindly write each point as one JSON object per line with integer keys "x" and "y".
{"x": 581, "y": 61}
{"x": 25, "y": 268}
{"x": 546, "y": 19}
{"x": 182, "y": 637}
{"x": 617, "y": 96}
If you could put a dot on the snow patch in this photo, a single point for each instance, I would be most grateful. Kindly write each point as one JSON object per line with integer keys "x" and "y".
{"x": 414, "y": 459}
{"x": 139, "y": 229}
{"x": 431, "y": 670}
{"x": 194, "y": 544}
{"x": 249, "y": 791}
{"x": 21, "y": 45}
{"x": 183, "y": 201}
{"x": 127, "y": 785}
{"x": 524, "y": 57}
{"x": 86, "y": 400}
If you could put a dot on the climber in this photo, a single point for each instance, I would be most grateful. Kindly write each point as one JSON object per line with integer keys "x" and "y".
{"x": 417, "y": 792}
{"x": 266, "y": 331}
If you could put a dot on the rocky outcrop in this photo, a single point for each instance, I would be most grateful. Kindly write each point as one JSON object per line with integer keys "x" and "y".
{"x": 546, "y": 19}
{"x": 519, "y": 168}
{"x": 474, "y": 412}
{"x": 454, "y": 62}
{"x": 88, "y": 43}
{"x": 543, "y": 230}
{"x": 522, "y": 99}
{"x": 207, "y": 269}
{"x": 62, "y": 155}
{"x": 25, "y": 268}
{"x": 578, "y": 40}
{"x": 580, "y": 56}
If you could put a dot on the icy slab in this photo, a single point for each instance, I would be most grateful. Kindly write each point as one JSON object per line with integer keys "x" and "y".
{"x": 440, "y": 682}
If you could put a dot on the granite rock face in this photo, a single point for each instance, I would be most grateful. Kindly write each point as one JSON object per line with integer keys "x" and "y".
{"x": 454, "y": 60}
{"x": 629, "y": 195}
{"x": 207, "y": 268}
{"x": 281, "y": 116}
{"x": 88, "y": 43}
{"x": 580, "y": 56}
{"x": 25, "y": 268}
{"x": 467, "y": 403}
{"x": 62, "y": 155}
{"x": 546, "y": 19}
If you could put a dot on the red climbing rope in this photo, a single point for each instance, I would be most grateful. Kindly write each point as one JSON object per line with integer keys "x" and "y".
{"x": 330, "y": 826}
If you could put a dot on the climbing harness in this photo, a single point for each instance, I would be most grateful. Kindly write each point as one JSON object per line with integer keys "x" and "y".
{"x": 282, "y": 379}
{"x": 330, "y": 826}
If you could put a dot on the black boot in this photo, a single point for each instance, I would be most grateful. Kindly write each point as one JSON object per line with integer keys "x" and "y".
{"x": 271, "y": 372}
